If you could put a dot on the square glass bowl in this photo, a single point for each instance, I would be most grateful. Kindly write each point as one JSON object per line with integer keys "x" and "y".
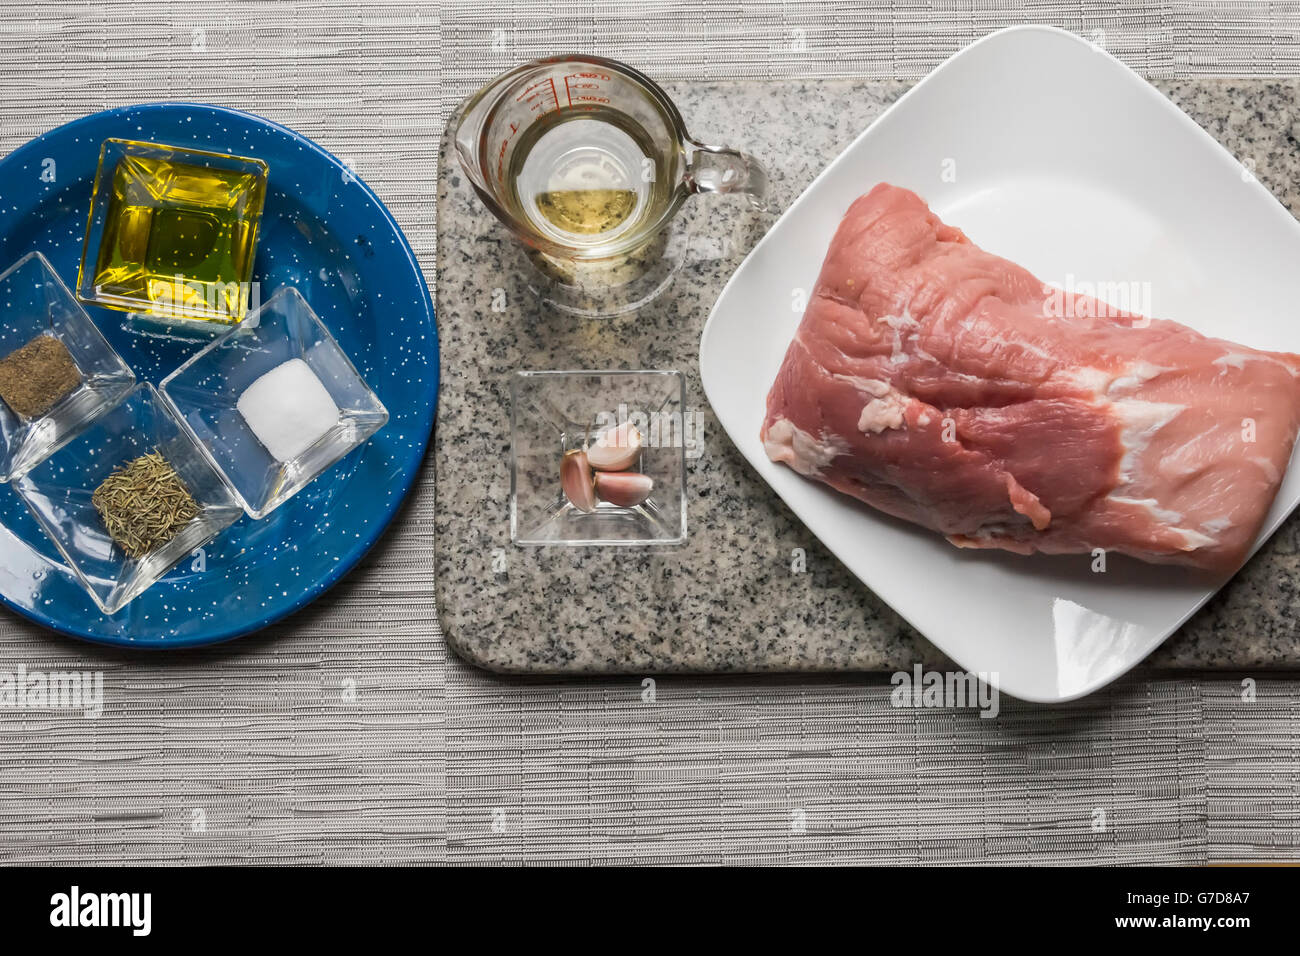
{"x": 206, "y": 390}
{"x": 555, "y": 412}
{"x": 172, "y": 233}
{"x": 34, "y": 302}
{"x": 59, "y": 490}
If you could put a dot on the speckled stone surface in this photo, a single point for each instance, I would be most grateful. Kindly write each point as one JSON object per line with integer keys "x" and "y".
{"x": 728, "y": 599}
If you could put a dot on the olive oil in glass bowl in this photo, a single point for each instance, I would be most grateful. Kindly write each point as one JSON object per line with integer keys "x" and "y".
{"x": 172, "y": 233}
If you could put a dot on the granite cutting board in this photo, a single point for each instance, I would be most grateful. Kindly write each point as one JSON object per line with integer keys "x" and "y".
{"x": 752, "y": 589}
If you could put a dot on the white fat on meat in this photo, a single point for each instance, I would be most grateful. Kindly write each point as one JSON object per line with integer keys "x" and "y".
{"x": 897, "y": 323}
{"x": 1238, "y": 360}
{"x": 805, "y": 453}
{"x": 886, "y": 407}
{"x": 1140, "y": 420}
{"x": 872, "y": 386}
{"x": 1268, "y": 468}
{"x": 1084, "y": 377}
{"x": 885, "y": 410}
{"x": 1135, "y": 376}
{"x": 1192, "y": 539}
{"x": 1103, "y": 384}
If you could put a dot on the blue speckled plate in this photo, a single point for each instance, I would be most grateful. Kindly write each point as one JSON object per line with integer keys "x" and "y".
{"x": 323, "y": 231}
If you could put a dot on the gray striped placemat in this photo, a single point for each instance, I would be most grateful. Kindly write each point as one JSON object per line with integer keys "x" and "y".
{"x": 346, "y": 734}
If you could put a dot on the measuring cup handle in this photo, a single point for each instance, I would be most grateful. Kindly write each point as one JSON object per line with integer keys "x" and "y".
{"x": 717, "y": 169}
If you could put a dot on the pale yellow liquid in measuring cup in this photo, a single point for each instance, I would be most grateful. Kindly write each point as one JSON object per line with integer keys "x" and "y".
{"x": 584, "y": 179}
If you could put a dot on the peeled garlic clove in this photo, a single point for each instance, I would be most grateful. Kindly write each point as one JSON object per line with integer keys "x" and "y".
{"x": 576, "y": 480}
{"x": 626, "y": 489}
{"x": 616, "y": 449}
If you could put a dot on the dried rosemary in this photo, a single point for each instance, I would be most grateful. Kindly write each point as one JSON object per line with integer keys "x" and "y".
{"x": 35, "y": 377}
{"x": 144, "y": 504}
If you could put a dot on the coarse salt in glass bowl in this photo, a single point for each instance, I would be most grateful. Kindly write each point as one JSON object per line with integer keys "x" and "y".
{"x": 247, "y": 366}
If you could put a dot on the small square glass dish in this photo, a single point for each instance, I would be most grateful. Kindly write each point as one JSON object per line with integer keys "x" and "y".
{"x": 275, "y": 402}
{"x": 140, "y": 468}
{"x": 57, "y": 372}
{"x": 558, "y": 412}
{"x": 172, "y": 233}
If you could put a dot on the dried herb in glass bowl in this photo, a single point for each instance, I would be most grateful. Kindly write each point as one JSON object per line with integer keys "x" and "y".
{"x": 144, "y": 504}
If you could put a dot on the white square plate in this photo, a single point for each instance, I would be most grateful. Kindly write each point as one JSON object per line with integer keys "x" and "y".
{"x": 1051, "y": 153}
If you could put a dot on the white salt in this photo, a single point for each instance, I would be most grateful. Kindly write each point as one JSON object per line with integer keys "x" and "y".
{"x": 288, "y": 409}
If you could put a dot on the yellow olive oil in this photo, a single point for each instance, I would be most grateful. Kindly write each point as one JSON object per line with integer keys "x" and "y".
{"x": 587, "y": 211}
{"x": 586, "y": 177}
{"x": 180, "y": 237}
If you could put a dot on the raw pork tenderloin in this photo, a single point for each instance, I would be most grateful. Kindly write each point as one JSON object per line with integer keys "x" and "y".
{"x": 949, "y": 387}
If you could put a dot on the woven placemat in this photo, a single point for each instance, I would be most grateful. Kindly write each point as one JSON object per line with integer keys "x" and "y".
{"x": 346, "y": 734}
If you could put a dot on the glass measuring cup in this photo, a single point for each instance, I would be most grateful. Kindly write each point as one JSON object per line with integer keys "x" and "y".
{"x": 585, "y": 158}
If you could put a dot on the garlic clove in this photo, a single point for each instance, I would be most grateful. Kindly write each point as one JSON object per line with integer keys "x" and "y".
{"x": 616, "y": 449}
{"x": 577, "y": 482}
{"x": 627, "y": 489}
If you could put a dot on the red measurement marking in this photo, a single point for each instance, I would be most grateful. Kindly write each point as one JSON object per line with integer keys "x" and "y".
{"x": 591, "y": 83}
{"x": 535, "y": 96}
{"x": 501, "y": 160}
{"x": 529, "y": 91}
